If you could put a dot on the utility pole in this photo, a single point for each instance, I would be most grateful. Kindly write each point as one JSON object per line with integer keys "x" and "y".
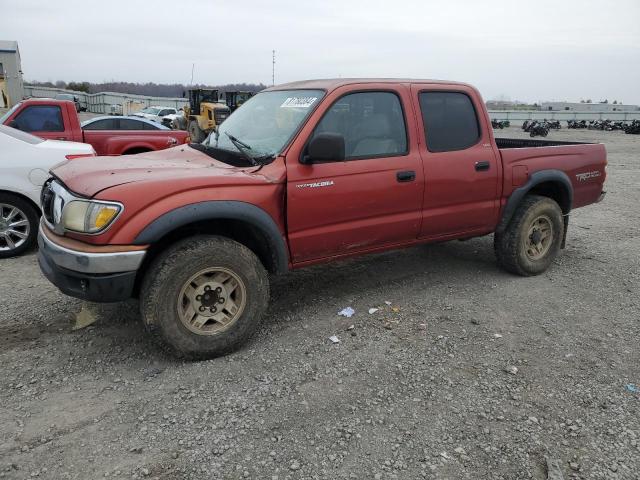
{"x": 273, "y": 67}
{"x": 193, "y": 66}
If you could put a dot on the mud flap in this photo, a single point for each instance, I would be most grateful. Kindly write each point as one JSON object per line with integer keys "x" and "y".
{"x": 565, "y": 218}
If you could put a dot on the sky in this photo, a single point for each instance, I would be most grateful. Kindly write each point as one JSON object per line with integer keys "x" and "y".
{"x": 529, "y": 51}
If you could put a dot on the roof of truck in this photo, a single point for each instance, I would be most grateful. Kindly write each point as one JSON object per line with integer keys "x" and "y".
{"x": 333, "y": 83}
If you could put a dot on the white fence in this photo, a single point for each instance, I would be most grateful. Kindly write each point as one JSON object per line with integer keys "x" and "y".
{"x": 522, "y": 115}
{"x": 102, "y": 102}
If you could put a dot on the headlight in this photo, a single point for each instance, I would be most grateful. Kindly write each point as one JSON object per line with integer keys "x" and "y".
{"x": 89, "y": 217}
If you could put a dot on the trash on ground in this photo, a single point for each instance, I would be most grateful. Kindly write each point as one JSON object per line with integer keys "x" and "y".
{"x": 553, "y": 469}
{"x": 387, "y": 302}
{"x": 632, "y": 388}
{"x": 350, "y": 327}
{"x": 395, "y": 309}
{"x": 83, "y": 318}
{"x": 373, "y": 310}
{"x": 347, "y": 312}
{"x": 497, "y": 335}
{"x": 512, "y": 370}
{"x": 334, "y": 339}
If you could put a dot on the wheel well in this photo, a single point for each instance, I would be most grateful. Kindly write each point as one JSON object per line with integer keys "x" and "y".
{"x": 240, "y": 231}
{"x": 556, "y": 191}
{"x": 25, "y": 198}
{"x": 133, "y": 151}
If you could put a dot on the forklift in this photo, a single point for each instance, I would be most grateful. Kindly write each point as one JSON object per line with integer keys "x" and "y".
{"x": 204, "y": 113}
{"x": 234, "y": 99}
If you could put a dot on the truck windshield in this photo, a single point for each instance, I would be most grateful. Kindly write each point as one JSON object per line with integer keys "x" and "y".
{"x": 266, "y": 122}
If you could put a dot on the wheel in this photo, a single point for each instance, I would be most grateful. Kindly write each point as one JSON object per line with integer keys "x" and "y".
{"x": 531, "y": 241}
{"x": 204, "y": 296}
{"x": 18, "y": 225}
{"x": 196, "y": 134}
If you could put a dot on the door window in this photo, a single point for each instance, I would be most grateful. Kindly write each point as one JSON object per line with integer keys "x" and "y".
{"x": 106, "y": 124}
{"x": 131, "y": 124}
{"x": 372, "y": 124}
{"x": 450, "y": 121}
{"x": 40, "y": 118}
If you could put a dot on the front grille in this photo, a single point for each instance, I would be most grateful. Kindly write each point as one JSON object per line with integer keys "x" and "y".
{"x": 221, "y": 114}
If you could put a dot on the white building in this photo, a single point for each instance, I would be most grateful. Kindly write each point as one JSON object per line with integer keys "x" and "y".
{"x": 11, "y": 85}
{"x": 587, "y": 107}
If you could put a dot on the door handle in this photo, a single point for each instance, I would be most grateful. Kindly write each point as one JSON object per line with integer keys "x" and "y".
{"x": 406, "y": 176}
{"x": 482, "y": 166}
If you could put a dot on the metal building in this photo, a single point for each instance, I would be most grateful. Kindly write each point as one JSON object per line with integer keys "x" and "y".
{"x": 11, "y": 85}
{"x": 587, "y": 107}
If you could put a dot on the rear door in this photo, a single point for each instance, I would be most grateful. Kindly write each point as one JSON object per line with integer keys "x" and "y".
{"x": 371, "y": 199}
{"x": 461, "y": 167}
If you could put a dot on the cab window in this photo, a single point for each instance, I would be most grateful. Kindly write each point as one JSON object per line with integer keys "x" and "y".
{"x": 450, "y": 121}
{"x": 372, "y": 124}
{"x": 40, "y": 118}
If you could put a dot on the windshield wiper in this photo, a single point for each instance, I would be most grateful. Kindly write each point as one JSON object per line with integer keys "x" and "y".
{"x": 242, "y": 147}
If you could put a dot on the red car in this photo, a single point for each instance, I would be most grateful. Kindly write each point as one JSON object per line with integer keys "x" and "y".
{"x": 58, "y": 120}
{"x": 304, "y": 173}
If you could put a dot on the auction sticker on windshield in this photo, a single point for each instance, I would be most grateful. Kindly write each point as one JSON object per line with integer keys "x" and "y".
{"x": 298, "y": 102}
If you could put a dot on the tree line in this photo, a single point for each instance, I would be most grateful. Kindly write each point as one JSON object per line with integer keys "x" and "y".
{"x": 150, "y": 89}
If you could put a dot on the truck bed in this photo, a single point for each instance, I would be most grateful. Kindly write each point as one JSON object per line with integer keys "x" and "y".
{"x": 504, "y": 143}
{"x": 582, "y": 162}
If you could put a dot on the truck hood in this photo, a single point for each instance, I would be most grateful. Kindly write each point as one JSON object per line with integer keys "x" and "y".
{"x": 89, "y": 176}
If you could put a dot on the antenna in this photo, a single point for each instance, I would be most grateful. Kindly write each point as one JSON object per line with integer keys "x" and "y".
{"x": 273, "y": 67}
{"x": 193, "y": 66}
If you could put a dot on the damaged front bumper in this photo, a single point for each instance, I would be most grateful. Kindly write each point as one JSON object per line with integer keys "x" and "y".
{"x": 92, "y": 273}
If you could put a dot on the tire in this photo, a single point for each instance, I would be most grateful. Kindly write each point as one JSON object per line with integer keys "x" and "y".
{"x": 515, "y": 248}
{"x": 18, "y": 225}
{"x": 173, "y": 274}
{"x": 195, "y": 132}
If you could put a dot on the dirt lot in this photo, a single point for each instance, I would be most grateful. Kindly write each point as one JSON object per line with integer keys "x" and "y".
{"x": 419, "y": 389}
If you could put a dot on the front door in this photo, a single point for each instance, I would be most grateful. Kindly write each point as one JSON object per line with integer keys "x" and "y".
{"x": 373, "y": 197}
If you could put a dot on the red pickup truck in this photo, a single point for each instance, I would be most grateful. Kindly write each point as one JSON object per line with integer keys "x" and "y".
{"x": 304, "y": 173}
{"x": 58, "y": 120}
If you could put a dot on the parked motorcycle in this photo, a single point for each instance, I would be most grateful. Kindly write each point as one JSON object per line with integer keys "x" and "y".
{"x": 500, "y": 124}
{"x": 633, "y": 127}
{"x": 536, "y": 128}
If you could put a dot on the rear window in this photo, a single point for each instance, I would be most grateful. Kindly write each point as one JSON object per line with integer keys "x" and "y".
{"x": 106, "y": 124}
{"x": 450, "y": 121}
{"x": 19, "y": 135}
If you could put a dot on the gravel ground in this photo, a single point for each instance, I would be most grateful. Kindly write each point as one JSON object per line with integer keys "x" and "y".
{"x": 468, "y": 373}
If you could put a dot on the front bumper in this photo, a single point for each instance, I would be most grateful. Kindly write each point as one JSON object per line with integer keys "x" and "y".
{"x": 96, "y": 276}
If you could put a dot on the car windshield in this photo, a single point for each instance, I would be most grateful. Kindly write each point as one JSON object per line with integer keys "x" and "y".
{"x": 9, "y": 113}
{"x": 64, "y": 96}
{"x": 266, "y": 122}
{"x": 150, "y": 110}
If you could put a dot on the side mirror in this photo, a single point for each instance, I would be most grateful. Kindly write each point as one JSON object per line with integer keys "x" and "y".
{"x": 324, "y": 147}
{"x": 14, "y": 124}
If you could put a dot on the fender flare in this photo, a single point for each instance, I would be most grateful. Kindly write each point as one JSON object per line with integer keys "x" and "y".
{"x": 217, "y": 210}
{"x": 537, "y": 178}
